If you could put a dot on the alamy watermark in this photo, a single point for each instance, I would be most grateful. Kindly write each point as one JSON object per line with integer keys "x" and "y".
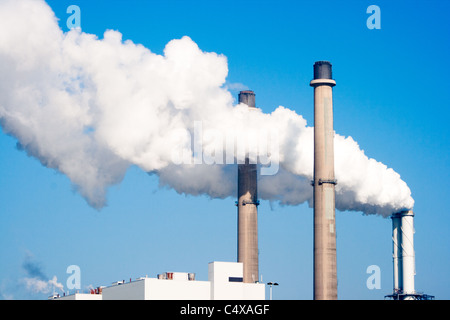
{"x": 213, "y": 146}
{"x": 374, "y": 280}
{"x": 374, "y": 20}
{"x": 74, "y": 280}
{"x": 74, "y": 20}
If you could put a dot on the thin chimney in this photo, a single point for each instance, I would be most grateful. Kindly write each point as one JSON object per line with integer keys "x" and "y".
{"x": 248, "y": 209}
{"x": 325, "y": 272}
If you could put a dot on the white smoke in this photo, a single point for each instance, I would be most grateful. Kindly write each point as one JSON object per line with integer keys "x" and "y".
{"x": 90, "y": 108}
{"x": 36, "y": 280}
{"x": 35, "y": 285}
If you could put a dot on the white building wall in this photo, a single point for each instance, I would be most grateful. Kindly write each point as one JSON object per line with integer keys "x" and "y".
{"x": 219, "y": 274}
{"x": 126, "y": 291}
{"x": 163, "y": 289}
{"x": 179, "y": 287}
{"x": 81, "y": 296}
{"x": 254, "y": 291}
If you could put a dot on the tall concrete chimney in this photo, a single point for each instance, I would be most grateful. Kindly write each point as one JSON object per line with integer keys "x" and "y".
{"x": 248, "y": 209}
{"x": 325, "y": 272}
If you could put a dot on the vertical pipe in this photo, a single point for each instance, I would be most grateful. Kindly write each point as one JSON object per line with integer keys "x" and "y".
{"x": 247, "y": 210}
{"x": 408, "y": 257}
{"x": 397, "y": 252}
{"x": 325, "y": 271}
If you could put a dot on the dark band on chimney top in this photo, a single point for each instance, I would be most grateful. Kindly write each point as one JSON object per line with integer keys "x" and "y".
{"x": 322, "y": 70}
{"x": 247, "y": 97}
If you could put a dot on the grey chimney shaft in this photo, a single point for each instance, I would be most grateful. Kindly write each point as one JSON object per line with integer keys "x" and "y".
{"x": 325, "y": 272}
{"x": 247, "y": 209}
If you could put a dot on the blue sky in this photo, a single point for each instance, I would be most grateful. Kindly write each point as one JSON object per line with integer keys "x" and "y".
{"x": 391, "y": 96}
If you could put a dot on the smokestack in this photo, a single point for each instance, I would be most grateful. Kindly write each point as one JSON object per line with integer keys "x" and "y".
{"x": 404, "y": 258}
{"x": 248, "y": 209}
{"x": 325, "y": 272}
{"x": 403, "y": 254}
{"x": 408, "y": 259}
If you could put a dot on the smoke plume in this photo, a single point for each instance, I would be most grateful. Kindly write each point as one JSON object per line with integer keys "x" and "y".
{"x": 90, "y": 108}
{"x": 36, "y": 280}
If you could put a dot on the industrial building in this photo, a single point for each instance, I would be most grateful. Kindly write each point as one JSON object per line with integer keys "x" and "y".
{"x": 239, "y": 280}
{"x": 225, "y": 282}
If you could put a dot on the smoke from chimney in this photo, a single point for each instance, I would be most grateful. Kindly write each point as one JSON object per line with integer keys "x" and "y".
{"x": 36, "y": 281}
{"x": 90, "y": 108}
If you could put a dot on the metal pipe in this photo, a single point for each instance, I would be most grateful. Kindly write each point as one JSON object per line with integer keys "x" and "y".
{"x": 408, "y": 256}
{"x": 248, "y": 210}
{"x": 403, "y": 255}
{"x": 397, "y": 252}
{"x": 270, "y": 284}
{"x": 325, "y": 271}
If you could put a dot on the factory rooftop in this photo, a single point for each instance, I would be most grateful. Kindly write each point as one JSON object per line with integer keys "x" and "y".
{"x": 225, "y": 282}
